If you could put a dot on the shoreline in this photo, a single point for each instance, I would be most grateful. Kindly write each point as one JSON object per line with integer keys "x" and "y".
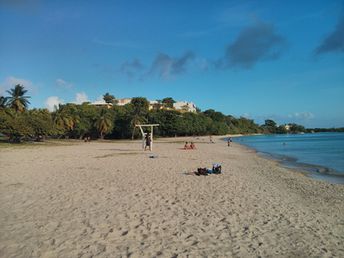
{"x": 110, "y": 199}
{"x": 314, "y": 171}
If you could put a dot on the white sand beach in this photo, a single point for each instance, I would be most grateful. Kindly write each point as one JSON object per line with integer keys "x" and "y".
{"x": 110, "y": 199}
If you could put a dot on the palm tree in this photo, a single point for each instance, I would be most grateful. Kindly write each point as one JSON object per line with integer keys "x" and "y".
{"x": 3, "y": 102}
{"x": 108, "y": 98}
{"x": 139, "y": 112}
{"x": 17, "y": 100}
{"x": 63, "y": 120}
{"x": 104, "y": 124}
{"x": 136, "y": 119}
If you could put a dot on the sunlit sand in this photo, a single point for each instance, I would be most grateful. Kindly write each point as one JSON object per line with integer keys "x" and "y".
{"x": 110, "y": 199}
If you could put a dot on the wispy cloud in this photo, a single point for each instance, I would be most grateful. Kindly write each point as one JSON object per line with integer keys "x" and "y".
{"x": 131, "y": 68}
{"x": 303, "y": 118}
{"x": 202, "y": 64}
{"x": 53, "y": 102}
{"x": 166, "y": 67}
{"x": 81, "y": 97}
{"x": 301, "y": 115}
{"x": 163, "y": 66}
{"x": 334, "y": 42}
{"x": 11, "y": 81}
{"x": 254, "y": 44}
{"x": 63, "y": 84}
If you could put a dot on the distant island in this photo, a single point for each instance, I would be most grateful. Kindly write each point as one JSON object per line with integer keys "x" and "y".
{"x": 114, "y": 118}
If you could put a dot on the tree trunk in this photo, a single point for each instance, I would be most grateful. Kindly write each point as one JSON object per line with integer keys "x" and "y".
{"x": 132, "y": 134}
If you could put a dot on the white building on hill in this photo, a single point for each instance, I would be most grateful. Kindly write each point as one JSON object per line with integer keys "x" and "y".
{"x": 184, "y": 106}
{"x": 101, "y": 103}
{"x": 122, "y": 102}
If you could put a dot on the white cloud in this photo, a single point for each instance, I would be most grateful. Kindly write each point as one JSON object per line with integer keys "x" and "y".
{"x": 64, "y": 84}
{"x": 246, "y": 115}
{"x": 11, "y": 81}
{"x": 302, "y": 115}
{"x": 302, "y": 118}
{"x": 53, "y": 102}
{"x": 81, "y": 97}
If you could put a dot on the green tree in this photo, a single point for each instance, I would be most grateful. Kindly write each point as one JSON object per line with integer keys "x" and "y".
{"x": 140, "y": 108}
{"x": 15, "y": 125}
{"x": 270, "y": 126}
{"x": 140, "y": 105}
{"x": 3, "y": 102}
{"x": 281, "y": 129}
{"x": 65, "y": 118}
{"x": 122, "y": 120}
{"x": 88, "y": 115}
{"x": 17, "y": 100}
{"x": 168, "y": 102}
{"x": 295, "y": 128}
{"x": 270, "y": 123}
{"x": 108, "y": 98}
{"x": 169, "y": 120}
{"x": 40, "y": 120}
{"x": 104, "y": 123}
{"x": 215, "y": 115}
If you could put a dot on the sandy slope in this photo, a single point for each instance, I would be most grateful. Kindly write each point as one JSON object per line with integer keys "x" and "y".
{"x": 112, "y": 200}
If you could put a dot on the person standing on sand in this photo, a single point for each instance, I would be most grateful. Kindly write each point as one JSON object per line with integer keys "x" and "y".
{"x": 148, "y": 141}
{"x": 229, "y": 141}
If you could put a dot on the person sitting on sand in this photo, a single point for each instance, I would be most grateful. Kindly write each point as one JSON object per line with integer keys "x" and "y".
{"x": 192, "y": 146}
{"x": 186, "y": 146}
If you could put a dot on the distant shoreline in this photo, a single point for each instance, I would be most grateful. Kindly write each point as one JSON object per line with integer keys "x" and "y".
{"x": 314, "y": 171}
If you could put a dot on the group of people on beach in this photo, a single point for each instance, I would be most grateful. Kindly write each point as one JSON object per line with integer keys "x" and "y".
{"x": 190, "y": 146}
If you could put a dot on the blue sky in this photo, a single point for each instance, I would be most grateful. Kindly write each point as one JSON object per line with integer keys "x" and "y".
{"x": 259, "y": 59}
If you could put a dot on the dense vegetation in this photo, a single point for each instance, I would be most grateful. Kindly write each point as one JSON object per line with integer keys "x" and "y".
{"x": 322, "y": 130}
{"x": 85, "y": 120}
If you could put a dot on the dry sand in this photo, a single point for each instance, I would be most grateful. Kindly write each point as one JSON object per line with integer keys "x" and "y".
{"x": 103, "y": 199}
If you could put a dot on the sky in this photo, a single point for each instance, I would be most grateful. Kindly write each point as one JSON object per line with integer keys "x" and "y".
{"x": 280, "y": 60}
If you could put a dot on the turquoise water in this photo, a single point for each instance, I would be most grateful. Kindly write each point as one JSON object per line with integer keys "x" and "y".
{"x": 320, "y": 154}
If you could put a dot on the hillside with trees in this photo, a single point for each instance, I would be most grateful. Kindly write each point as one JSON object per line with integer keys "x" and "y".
{"x": 19, "y": 123}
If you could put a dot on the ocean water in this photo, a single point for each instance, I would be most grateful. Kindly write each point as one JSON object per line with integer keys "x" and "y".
{"x": 321, "y": 155}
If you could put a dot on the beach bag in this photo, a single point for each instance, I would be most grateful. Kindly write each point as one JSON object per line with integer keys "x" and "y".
{"x": 217, "y": 169}
{"x": 201, "y": 172}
